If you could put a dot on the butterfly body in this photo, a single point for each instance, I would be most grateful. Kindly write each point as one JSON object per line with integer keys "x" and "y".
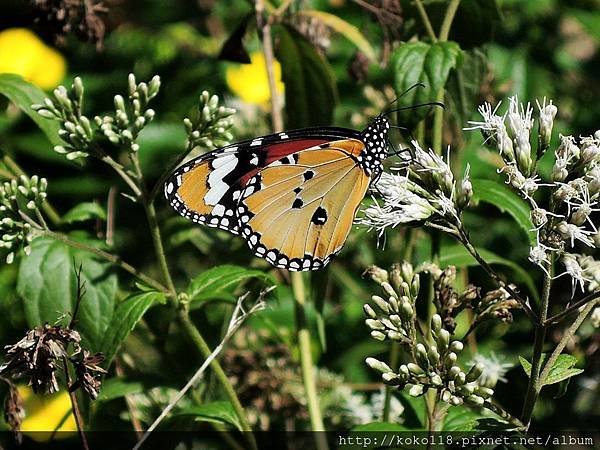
{"x": 292, "y": 196}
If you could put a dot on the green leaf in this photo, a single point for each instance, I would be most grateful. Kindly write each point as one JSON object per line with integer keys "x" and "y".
{"x": 215, "y": 412}
{"x": 117, "y": 388}
{"x": 461, "y": 418}
{"x": 346, "y": 29}
{"x": 501, "y": 196}
{"x": 457, "y": 255}
{"x": 84, "y": 211}
{"x": 310, "y": 91}
{"x": 220, "y": 283}
{"x": 47, "y": 285}
{"x": 126, "y": 316}
{"x": 24, "y": 94}
{"x": 420, "y": 62}
{"x": 561, "y": 370}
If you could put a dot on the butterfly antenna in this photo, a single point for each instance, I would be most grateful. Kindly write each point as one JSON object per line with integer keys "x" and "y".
{"x": 440, "y": 104}
{"x": 416, "y": 85}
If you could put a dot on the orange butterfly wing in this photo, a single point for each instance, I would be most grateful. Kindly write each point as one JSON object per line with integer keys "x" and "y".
{"x": 297, "y": 216}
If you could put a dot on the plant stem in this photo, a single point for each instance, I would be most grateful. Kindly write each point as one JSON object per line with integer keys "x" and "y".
{"x": 438, "y": 118}
{"x": 448, "y": 18}
{"x": 194, "y": 335}
{"x": 126, "y": 178}
{"x": 465, "y": 241}
{"x": 503, "y": 413}
{"x": 575, "y": 306}
{"x": 114, "y": 259}
{"x": 267, "y": 47}
{"x": 75, "y": 407}
{"x": 52, "y": 214}
{"x": 306, "y": 363}
{"x": 538, "y": 347}
{"x": 564, "y": 341}
{"x": 425, "y": 20}
{"x": 158, "y": 246}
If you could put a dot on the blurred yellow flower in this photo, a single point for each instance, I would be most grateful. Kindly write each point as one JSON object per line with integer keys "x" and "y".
{"x": 45, "y": 413}
{"x": 250, "y": 82}
{"x": 23, "y": 53}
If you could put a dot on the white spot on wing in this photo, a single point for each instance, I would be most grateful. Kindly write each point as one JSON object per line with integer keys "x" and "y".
{"x": 218, "y": 188}
{"x": 218, "y": 210}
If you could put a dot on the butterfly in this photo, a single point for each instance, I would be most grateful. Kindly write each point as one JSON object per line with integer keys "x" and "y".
{"x": 292, "y": 196}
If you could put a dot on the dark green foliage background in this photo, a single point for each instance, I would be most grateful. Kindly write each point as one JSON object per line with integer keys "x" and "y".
{"x": 497, "y": 49}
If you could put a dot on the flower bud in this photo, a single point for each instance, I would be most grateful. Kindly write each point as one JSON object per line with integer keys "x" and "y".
{"x": 547, "y": 115}
{"x": 378, "y": 335}
{"x": 406, "y": 310}
{"x": 475, "y": 399}
{"x": 436, "y": 323}
{"x": 119, "y": 103}
{"x": 389, "y": 290}
{"x": 381, "y": 304}
{"x": 374, "y": 324}
{"x": 378, "y": 365}
{"x": 416, "y": 390}
{"x": 433, "y": 354}
{"x": 474, "y": 373}
{"x": 442, "y": 339}
{"x": 456, "y": 346}
{"x": 421, "y": 354}
{"x": 369, "y": 311}
{"x": 377, "y": 274}
{"x": 414, "y": 369}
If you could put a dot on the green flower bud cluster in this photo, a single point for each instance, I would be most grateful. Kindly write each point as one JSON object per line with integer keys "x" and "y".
{"x": 210, "y": 127}
{"x": 17, "y": 197}
{"x": 394, "y": 317}
{"x": 434, "y": 366}
{"x": 76, "y": 129}
{"x": 130, "y": 117}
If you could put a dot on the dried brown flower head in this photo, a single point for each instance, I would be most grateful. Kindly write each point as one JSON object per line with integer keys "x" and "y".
{"x": 79, "y": 17}
{"x": 38, "y": 355}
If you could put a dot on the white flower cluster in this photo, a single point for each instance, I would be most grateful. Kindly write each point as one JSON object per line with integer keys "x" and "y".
{"x": 564, "y": 225}
{"x": 427, "y": 192}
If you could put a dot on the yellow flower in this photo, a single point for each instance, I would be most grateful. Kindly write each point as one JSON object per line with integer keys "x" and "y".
{"x": 250, "y": 82}
{"x": 23, "y": 53}
{"x": 45, "y": 413}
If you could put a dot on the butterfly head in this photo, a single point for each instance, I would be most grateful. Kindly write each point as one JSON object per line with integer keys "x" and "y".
{"x": 375, "y": 137}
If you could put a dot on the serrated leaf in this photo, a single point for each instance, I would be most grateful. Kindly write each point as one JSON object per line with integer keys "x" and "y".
{"x": 310, "y": 91}
{"x": 216, "y": 412}
{"x": 420, "y": 62}
{"x": 506, "y": 200}
{"x": 346, "y": 29}
{"x": 126, "y": 316}
{"x": 221, "y": 282}
{"x": 116, "y": 388}
{"x": 47, "y": 285}
{"x": 561, "y": 370}
{"x": 84, "y": 211}
{"x": 457, "y": 255}
{"x": 24, "y": 94}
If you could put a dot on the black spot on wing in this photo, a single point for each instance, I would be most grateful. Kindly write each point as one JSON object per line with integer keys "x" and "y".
{"x": 308, "y": 175}
{"x": 298, "y": 203}
{"x": 320, "y": 216}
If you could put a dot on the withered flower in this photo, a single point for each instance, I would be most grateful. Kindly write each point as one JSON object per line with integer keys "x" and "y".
{"x": 38, "y": 355}
{"x": 13, "y": 409}
{"x": 88, "y": 372}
